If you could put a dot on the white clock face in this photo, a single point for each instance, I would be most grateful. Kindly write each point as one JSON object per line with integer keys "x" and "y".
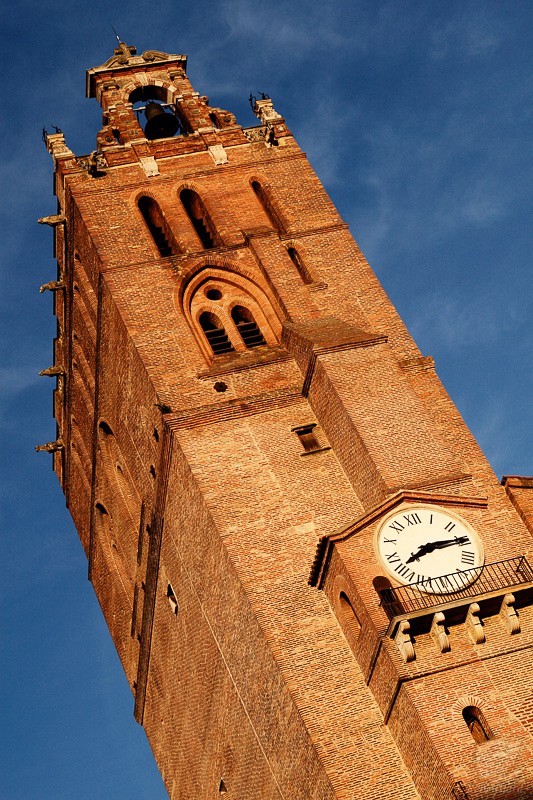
{"x": 429, "y": 544}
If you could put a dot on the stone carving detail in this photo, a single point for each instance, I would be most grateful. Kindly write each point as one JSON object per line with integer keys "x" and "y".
{"x": 52, "y": 286}
{"x": 52, "y": 371}
{"x": 404, "y": 642}
{"x": 265, "y": 111}
{"x": 474, "y": 625}
{"x": 50, "y": 447}
{"x": 53, "y": 220}
{"x": 508, "y": 614}
{"x": 95, "y": 163}
{"x": 218, "y": 154}
{"x": 149, "y": 165}
{"x": 438, "y": 633}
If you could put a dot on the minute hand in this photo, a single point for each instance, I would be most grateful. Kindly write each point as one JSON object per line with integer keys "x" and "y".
{"x": 424, "y": 549}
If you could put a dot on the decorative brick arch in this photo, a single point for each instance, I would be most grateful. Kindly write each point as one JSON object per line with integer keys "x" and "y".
{"x": 217, "y": 288}
{"x": 169, "y": 90}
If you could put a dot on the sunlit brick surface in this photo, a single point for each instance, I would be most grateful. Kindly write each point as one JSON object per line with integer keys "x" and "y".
{"x": 199, "y": 508}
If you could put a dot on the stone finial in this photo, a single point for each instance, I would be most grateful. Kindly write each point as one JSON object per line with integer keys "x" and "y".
{"x": 438, "y": 633}
{"x": 508, "y": 614}
{"x": 404, "y": 642}
{"x": 473, "y": 624}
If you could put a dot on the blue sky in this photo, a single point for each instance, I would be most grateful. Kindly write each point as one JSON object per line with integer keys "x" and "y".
{"x": 417, "y": 118}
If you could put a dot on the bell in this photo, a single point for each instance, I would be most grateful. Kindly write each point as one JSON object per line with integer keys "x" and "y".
{"x": 159, "y": 124}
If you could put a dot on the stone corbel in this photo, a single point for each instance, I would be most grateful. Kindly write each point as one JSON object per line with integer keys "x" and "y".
{"x": 508, "y": 614}
{"x": 438, "y": 633}
{"x": 474, "y": 625}
{"x": 218, "y": 154}
{"x": 404, "y": 642}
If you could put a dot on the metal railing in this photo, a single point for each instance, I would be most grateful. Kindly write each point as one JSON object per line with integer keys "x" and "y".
{"x": 469, "y": 583}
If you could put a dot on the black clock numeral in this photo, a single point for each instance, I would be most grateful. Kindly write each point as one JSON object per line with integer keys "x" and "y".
{"x": 431, "y": 519}
{"x": 392, "y": 558}
{"x": 389, "y": 541}
{"x": 405, "y": 572}
{"x": 396, "y": 526}
{"x": 412, "y": 519}
{"x": 468, "y": 557}
{"x": 449, "y": 527}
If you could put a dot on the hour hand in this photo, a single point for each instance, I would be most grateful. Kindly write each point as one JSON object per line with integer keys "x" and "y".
{"x": 422, "y": 551}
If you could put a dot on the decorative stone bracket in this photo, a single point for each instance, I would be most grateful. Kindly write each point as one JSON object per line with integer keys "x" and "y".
{"x": 52, "y": 371}
{"x": 473, "y": 624}
{"x": 404, "y": 642}
{"x": 508, "y": 614}
{"x": 438, "y": 633}
{"x": 52, "y": 286}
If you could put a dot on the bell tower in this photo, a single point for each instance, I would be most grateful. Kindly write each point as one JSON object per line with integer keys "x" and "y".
{"x": 316, "y": 585}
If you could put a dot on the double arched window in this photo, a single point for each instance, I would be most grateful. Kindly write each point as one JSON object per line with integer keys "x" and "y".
{"x": 228, "y": 312}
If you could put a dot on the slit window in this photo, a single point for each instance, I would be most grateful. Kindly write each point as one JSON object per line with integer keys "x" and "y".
{"x": 199, "y": 217}
{"x": 266, "y": 202}
{"x": 172, "y": 599}
{"x": 215, "y": 333}
{"x": 247, "y": 327}
{"x": 299, "y": 264}
{"x": 476, "y": 724}
{"x": 156, "y": 224}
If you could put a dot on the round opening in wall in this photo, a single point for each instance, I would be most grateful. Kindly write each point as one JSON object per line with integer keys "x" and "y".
{"x": 213, "y": 294}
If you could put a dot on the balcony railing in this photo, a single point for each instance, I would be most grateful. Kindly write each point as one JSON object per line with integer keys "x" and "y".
{"x": 470, "y": 583}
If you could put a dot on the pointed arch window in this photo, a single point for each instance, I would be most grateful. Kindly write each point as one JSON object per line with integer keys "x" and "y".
{"x": 201, "y": 221}
{"x": 247, "y": 326}
{"x": 215, "y": 333}
{"x": 157, "y": 225}
{"x": 299, "y": 264}
{"x": 266, "y": 201}
{"x": 477, "y": 724}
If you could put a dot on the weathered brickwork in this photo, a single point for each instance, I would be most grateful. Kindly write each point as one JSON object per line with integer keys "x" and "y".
{"x": 239, "y": 405}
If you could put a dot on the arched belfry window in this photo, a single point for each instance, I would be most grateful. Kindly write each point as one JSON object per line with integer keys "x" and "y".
{"x": 265, "y": 199}
{"x": 296, "y": 259}
{"x": 157, "y": 225}
{"x": 247, "y": 327}
{"x": 201, "y": 221}
{"x": 215, "y": 333}
{"x": 477, "y": 724}
{"x": 227, "y": 311}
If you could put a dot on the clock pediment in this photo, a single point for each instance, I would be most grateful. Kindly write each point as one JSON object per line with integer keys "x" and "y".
{"x": 400, "y": 502}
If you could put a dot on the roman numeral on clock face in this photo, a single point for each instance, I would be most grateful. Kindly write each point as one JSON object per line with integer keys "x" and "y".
{"x": 449, "y": 527}
{"x": 412, "y": 519}
{"x": 468, "y": 557}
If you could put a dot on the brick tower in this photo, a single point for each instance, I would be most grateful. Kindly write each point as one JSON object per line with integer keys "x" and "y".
{"x": 317, "y": 587}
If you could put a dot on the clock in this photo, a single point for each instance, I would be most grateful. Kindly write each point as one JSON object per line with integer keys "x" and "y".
{"x": 429, "y": 546}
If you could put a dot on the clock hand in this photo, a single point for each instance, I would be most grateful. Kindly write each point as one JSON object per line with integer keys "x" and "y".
{"x": 429, "y": 547}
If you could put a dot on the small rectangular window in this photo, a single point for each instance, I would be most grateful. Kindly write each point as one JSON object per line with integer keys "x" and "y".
{"x": 310, "y": 437}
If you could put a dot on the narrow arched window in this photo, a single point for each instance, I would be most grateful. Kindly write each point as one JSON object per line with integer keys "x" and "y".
{"x": 299, "y": 264}
{"x": 247, "y": 327}
{"x": 476, "y": 724}
{"x": 215, "y": 333}
{"x": 266, "y": 201}
{"x": 156, "y": 224}
{"x": 349, "y": 617}
{"x": 197, "y": 213}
